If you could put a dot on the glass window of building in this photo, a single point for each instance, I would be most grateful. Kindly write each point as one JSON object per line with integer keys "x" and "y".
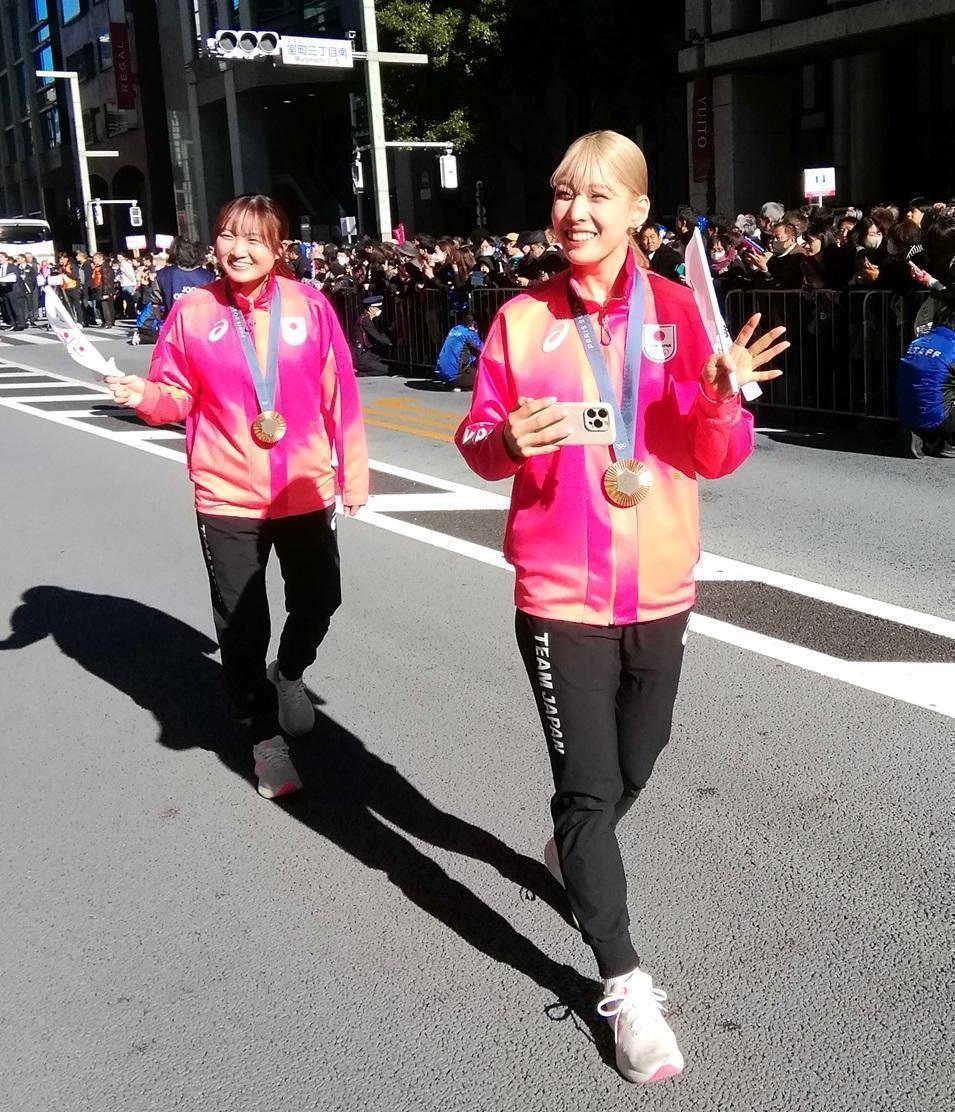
{"x": 50, "y": 121}
{"x": 43, "y": 59}
{"x": 5, "y": 100}
{"x": 105, "y": 50}
{"x": 70, "y": 9}
{"x": 39, "y": 10}
{"x": 20, "y": 81}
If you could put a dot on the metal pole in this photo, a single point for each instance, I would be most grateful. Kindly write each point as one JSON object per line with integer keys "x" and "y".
{"x": 79, "y": 135}
{"x": 376, "y": 118}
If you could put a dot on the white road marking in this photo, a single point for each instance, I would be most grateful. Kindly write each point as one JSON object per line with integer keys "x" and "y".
{"x": 500, "y": 500}
{"x": 451, "y": 500}
{"x": 721, "y": 567}
{"x": 929, "y": 686}
{"x": 431, "y": 536}
{"x": 22, "y": 401}
{"x": 32, "y": 385}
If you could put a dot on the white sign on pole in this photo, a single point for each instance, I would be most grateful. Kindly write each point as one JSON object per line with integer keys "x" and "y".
{"x": 136, "y": 243}
{"x": 820, "y": 182}
{"x": 297, "y": 51}
{"x": 448, "y": 168}
{"x": 163, "y": 242}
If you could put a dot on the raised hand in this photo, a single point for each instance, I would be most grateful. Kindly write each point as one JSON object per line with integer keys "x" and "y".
{"x": 743, "y": 360}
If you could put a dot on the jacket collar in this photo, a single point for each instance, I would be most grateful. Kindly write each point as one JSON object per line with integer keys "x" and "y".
{"x": 263, "y": 301}
{"x": 629, "y": 272}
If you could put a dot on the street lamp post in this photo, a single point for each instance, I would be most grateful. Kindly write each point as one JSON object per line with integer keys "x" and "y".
{"x": 82, "y": 154}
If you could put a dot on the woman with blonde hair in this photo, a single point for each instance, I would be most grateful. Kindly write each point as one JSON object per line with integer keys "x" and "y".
{"x": 604, "y": 539}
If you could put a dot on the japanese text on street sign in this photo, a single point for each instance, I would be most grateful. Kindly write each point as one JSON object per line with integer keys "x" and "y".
{"x": 820, "y": 182}
{"x": 317, "y": 52}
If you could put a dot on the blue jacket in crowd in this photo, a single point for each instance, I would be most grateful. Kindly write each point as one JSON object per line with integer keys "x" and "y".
{"x": 459, "y": 352}
{"x": 926, "y": 379}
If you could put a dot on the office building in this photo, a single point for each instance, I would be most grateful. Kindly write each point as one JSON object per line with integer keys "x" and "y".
{"x": 778, "y": 86}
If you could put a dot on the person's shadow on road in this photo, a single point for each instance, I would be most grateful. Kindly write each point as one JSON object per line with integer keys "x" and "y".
{"x": 165, "y": 666}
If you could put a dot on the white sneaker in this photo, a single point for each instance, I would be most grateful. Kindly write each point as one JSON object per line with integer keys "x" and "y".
{"x": 646, "y": 1047}
{"x": 552, "y": 861}
{"x": 274, "y": 768}
{"x": 296, "y": 713}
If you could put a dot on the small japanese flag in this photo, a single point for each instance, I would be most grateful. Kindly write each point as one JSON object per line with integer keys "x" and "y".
{"x": 701, "y": 282}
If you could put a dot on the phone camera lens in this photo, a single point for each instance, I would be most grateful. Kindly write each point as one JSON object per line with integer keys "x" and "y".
{"x": 591, "y": 413}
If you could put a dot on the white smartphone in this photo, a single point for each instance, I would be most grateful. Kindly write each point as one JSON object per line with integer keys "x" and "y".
{"x": 590, "y": 423}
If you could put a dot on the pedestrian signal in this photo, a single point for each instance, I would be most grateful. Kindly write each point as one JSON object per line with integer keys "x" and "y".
{"x": 136, "y": 216}
{"x": 97, "y": 214}
{"x": 448, "y": 166}
{"x": 357, "y": 175}
{"x": 245, "y": 44}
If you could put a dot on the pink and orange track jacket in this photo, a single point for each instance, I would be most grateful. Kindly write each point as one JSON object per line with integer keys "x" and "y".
{"x": 577, "y": 557}
{"x": 199, "y": 374}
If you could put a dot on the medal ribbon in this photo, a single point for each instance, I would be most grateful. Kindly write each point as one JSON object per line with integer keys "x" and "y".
{"x": 624, "y": 411}
{"x": 264, "y": 387}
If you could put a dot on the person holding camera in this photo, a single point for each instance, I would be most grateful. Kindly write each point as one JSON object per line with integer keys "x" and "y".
{"x": 604, "y": 539}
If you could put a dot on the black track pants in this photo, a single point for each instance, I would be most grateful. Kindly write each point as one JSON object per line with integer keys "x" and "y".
{"x": 605, "y": 696}
{"x": 236, "y": 551}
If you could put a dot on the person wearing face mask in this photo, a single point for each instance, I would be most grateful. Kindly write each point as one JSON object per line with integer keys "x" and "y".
{"x": 868, "y": 242}
{"x": 783, "y": 269}
{"x": 604, "y": 539}
{"x": 369, "y": 340}
{"x": 256, "y": 365}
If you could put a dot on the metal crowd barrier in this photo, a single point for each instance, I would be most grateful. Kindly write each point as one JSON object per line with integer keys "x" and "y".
{"x": 846, "y": 344}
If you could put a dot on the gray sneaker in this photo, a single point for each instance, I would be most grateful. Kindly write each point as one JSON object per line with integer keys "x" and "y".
{"x": 274, "y": 768}
{"x": 296, "y": 713}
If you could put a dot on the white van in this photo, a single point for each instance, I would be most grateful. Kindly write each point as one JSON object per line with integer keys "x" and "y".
{"x": 18, "y": 236}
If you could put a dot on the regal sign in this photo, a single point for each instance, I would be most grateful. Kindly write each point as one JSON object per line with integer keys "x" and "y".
{"x": 701, "y": 129}
{"x": 122, "y": 65}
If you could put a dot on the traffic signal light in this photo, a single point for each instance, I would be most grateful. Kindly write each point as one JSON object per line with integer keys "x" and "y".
{"x": 245, "y": 44}
{"x": 135, "y": 216}
{"x": 97, "y": 214}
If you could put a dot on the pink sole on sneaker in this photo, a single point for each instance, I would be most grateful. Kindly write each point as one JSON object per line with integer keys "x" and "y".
{"x": 663, "y": 1073}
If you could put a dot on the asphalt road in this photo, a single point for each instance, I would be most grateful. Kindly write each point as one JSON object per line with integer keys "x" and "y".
{"x": 388, "y": 939}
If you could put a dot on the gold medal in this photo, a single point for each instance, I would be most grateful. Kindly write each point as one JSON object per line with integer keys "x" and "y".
{"x": 627, "y": 482}
{"x": 269, "y": 428}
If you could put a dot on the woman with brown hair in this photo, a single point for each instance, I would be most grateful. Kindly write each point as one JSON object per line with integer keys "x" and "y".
{"x": 256, "y": 365}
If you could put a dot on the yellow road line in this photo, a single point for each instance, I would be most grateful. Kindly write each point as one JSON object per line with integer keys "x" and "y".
{"x": 379, "y": 424}
{"x": 413, "y": 419}
{"x": 410, "y": 409}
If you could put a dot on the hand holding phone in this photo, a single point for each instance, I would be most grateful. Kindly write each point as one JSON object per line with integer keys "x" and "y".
{"x": 589, "y": 423}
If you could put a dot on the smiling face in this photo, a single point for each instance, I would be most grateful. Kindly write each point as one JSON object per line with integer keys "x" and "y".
{"x": 244, "y": 254}
{"x": 593, "y": 220}
{"x": 599, "y": 196}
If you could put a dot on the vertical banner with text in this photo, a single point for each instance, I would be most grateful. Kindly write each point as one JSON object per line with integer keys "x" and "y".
{"x": 701, "y": 129}
{"x": 122, "y": 65}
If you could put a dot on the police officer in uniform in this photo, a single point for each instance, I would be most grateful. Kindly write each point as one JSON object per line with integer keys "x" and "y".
{"x": 368, "y": 340}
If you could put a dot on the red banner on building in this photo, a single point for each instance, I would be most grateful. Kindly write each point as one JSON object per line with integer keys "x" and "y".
{"x": 701, "y": 129}
{"x": 122, "y": 65}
